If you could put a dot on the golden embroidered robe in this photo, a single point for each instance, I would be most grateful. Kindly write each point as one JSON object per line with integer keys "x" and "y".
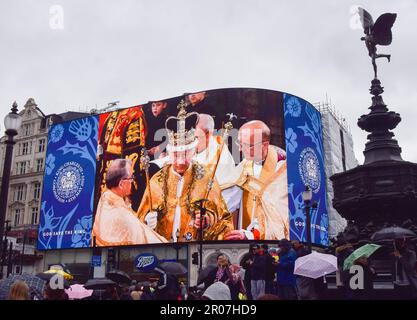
{"x": 264, "y": 199}
{"x": 163, "y": 186}
{"x": 209, "y": 156}
{"x": 116, "y": 224}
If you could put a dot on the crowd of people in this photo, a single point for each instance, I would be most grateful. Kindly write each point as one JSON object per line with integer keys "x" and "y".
{"x": 263, "y": 274}
{"x": 270, "y": 271}
{"x": 19, "y": 290}
{"x": 404, "y": 271}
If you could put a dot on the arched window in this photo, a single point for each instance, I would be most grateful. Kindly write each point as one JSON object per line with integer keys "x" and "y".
{"x": 212, "y": 258}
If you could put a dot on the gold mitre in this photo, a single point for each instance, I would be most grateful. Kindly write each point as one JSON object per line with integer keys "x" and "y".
{"x": 181, "y": 129}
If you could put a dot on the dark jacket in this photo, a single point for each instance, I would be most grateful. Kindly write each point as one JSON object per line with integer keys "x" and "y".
{"x": 169, "y": 290}
{"x": 147, "y": 294}
{"x": 408, "y": 265}
{"x": 301, "y": 252}
{"x": 342, "y": 252}
{"x": 269, "y": 268}
{"x": 247, "y": 266}
{"x": 258, "y": 268}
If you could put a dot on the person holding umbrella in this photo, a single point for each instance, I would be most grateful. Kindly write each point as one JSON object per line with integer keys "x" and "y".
{"x": 168, "y": 287}
{"x": 368, "y": 279}
{"x": 78, "y": 292}
{"x": 360, "y": 257}
{"x": 54, "y": 294}
{"x": 343, "y": 250}
{"x": 407, "y": 265}
{"x": 110, "y": 293}
{"x": 36, "y": 286}
{"x": 286, "y": 280}
{"x": 19, "y": 290}
{"x": 305, "y": 286}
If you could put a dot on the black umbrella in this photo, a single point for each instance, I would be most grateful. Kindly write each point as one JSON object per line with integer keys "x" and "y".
{"x": 392, "y": 233}
{"x": 204, "y": 273}
{"x": 118, "y": 276}
{"x": 174, "y": 268}
{"x": 99, "y": 283}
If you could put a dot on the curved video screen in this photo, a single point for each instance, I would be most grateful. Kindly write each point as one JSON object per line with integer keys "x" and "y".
{"x": 216, "y": 165}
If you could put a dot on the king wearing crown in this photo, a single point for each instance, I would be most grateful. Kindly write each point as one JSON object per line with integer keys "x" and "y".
{"x": 171, "y": 204}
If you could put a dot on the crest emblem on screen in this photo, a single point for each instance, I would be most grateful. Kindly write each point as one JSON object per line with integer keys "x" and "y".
{"x": 309, "y": 169}
{"x": 68, "y": 182}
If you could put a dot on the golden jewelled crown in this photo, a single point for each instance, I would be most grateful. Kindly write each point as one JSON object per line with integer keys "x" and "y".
{"x": 181, "y": 129}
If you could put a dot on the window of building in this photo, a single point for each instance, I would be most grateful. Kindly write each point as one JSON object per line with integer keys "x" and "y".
{"x": 41, "y": 145}
{"x": 17, "y": 217}
{"x": 25, "y": 148}
{"x": 36, "y": 190}
{"x": 39, "y": 165}
{"x": 27, "y": 129}
{"x": 43, "y": 123}
{"x": 34, "y": 219}
{"x": 21, "y": 167}
{"x": 20, "y": 193}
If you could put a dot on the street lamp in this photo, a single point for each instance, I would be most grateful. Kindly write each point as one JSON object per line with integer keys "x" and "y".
{"x": 307, "y": 196}
{"x": 176, "y": 244}
{"x": 12, "y": 123}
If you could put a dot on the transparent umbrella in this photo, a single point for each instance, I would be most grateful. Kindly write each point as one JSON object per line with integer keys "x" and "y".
{"x": 315, "y": 265}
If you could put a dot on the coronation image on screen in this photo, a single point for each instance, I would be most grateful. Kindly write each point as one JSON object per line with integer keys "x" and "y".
{"x": 240, "y": 156}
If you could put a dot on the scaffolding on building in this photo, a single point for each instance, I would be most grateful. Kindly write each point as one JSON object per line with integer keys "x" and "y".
{"x": 338, "y": 155}
{"x": 327, "y": 107}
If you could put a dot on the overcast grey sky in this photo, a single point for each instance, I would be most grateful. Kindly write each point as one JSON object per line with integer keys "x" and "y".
{"x": 135, "y": 51}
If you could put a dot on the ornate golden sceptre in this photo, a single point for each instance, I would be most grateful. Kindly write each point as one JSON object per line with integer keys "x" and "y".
{"x": 144, "y": 161}
{"x": 214, "y": 230}
{"x": 227, "y": 127}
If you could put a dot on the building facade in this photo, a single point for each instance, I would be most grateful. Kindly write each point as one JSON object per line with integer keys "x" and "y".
{"x": 339, "y": 156}
{"x": 25, "y": 188}
{"x": 26, "y": 175}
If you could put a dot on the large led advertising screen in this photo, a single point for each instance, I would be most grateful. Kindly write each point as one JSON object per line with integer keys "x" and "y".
{"x": 217, "y": 165}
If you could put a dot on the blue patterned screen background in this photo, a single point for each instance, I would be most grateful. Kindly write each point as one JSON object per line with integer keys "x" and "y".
{"x": 68, "y": 190}
{"x": 305, "y": 167}
{"x": 66, "y": 215}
